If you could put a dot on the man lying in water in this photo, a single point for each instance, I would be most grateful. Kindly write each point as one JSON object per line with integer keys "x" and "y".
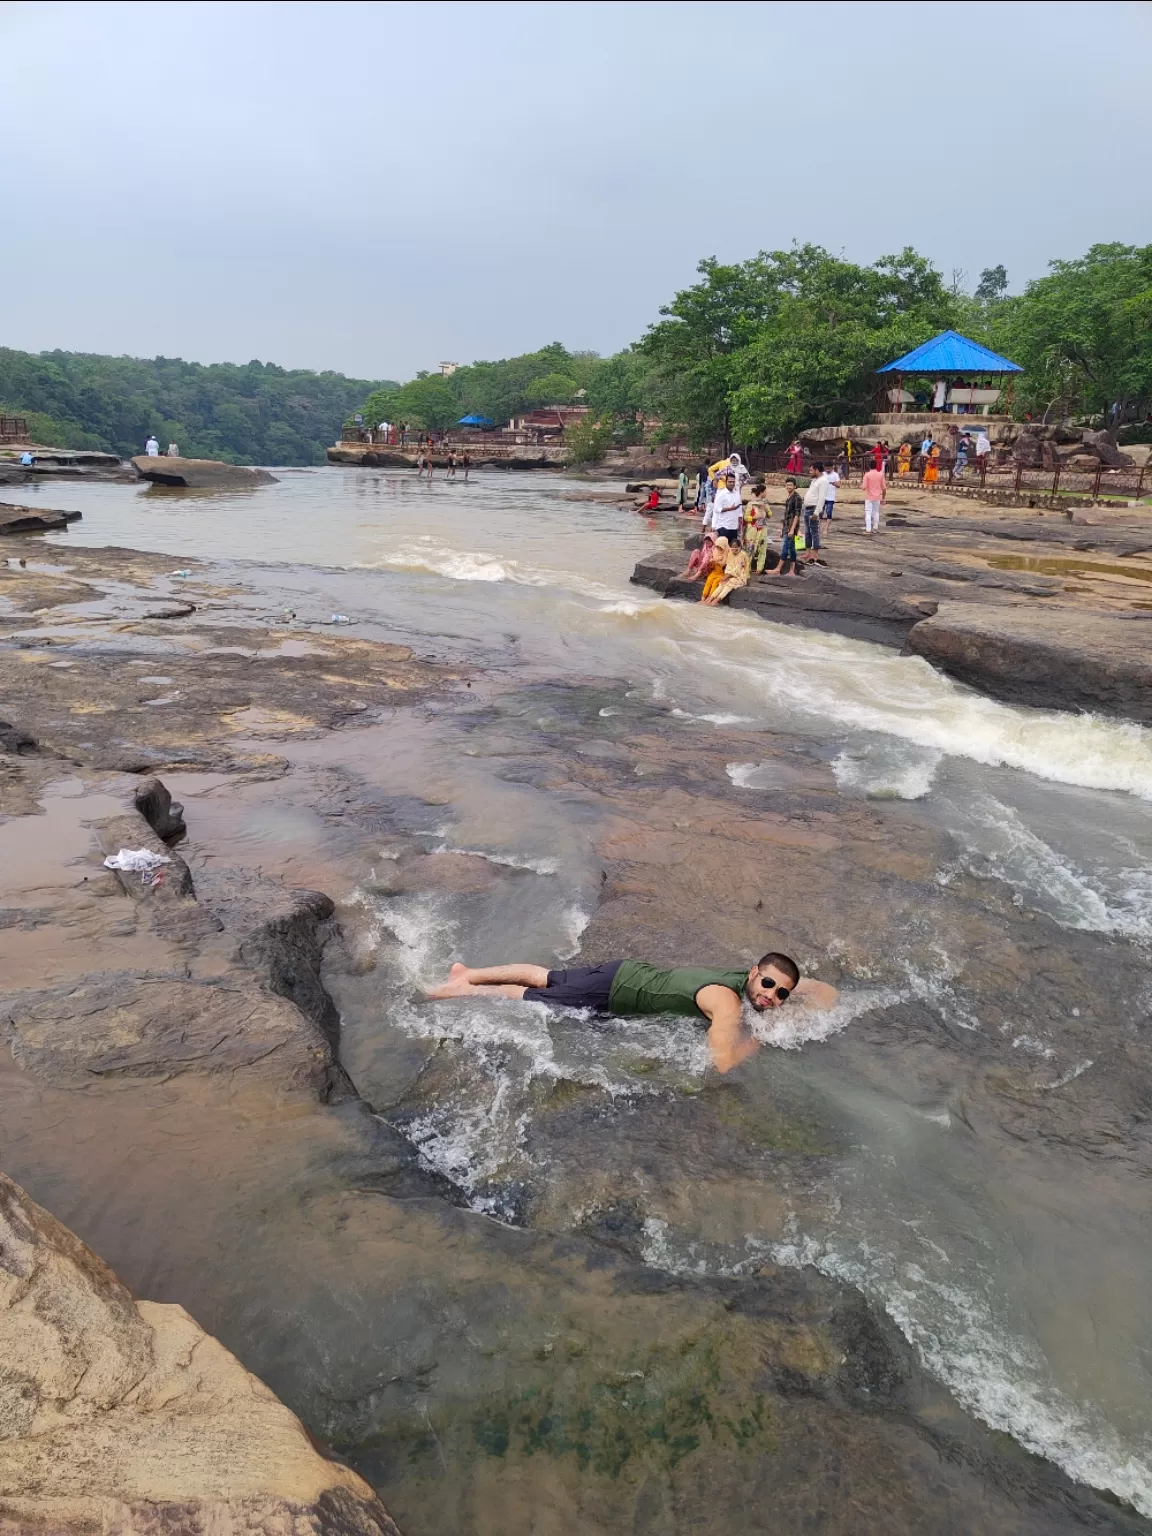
{"x": 633, "y": 987}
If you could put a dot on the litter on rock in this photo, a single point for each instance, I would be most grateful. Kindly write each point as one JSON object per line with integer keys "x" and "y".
{"x": 141, "y": 861}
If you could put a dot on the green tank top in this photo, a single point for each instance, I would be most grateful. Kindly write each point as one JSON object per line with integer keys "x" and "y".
{"x": 641, "y": 988}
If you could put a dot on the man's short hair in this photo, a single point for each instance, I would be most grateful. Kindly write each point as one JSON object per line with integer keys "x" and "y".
{"x": 789, "y": 481}
{"x": 780, "y": 962}
{"x": 818, "y": 467}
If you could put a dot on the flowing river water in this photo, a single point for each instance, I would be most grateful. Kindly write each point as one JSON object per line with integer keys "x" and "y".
{"x": 1017, "y": 1271}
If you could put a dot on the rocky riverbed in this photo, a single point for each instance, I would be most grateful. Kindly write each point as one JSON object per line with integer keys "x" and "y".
{"x": 1033, "y": 607}
{"x": 529, "y": 1274}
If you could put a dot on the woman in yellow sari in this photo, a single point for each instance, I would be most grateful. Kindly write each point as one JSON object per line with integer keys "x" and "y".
{"x": 715, "y": 574}
{"x": 735, "y": 573}
{"x": 932, "y": 468}
{"x": 904, "y": 459}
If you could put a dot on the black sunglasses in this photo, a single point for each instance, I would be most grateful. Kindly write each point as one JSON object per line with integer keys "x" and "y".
{"x": 783, "y": 993}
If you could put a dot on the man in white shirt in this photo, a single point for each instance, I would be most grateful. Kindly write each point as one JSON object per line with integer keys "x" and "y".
{"x": 833, "y": 478}
{"x": 728, "y": 510}
{"x": 940, "y": 394}
{"x": 152, "y": 447}
{"x": 983, "y": 447}
{"x": 814, "y": 498}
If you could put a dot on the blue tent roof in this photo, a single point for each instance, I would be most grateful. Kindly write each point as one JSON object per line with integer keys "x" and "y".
{"x": 474, "y": 421}
{"x": 951, "y": 353}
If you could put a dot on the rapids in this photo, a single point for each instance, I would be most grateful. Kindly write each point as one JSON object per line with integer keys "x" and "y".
{"x": 1019, "y": 1275}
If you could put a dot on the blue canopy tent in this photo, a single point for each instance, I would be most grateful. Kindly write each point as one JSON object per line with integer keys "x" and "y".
{"x": 475, "y": 421}
{"x": 955, "y": 355}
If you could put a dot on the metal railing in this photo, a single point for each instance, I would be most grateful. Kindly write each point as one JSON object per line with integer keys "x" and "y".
{"x": 13, "y": 429}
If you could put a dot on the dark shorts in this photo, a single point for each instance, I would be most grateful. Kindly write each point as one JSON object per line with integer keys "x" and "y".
{"x": 812, "y": 528}
{"x": 829, "y": 508}
{"x": 583, "y": 986}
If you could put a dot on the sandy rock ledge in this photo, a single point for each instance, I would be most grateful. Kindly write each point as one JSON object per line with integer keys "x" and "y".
{"x": 118, "y": 1416}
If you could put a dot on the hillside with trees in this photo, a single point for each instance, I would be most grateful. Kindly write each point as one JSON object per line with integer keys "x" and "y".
{"x": 248, "y": 413}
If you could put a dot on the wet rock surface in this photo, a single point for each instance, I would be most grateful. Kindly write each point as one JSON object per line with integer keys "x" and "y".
{"x": 1022, "y": 627}
{"x": 613, "y": 1354}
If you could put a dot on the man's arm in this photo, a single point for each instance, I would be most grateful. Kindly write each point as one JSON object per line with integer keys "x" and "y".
{"x": 729, "y": 1042}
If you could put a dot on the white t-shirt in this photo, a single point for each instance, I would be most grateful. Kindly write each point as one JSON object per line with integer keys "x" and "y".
{"x": 983, "y": 446}
{"x": 833, "y": 480}
{"x": 727, "y": 508}
{"x": 817, "y": 492}
{"x": 940, "y": 395}
{"x": 152, "y": 448}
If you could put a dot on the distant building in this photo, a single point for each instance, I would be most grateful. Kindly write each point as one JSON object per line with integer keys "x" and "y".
{"x": 448, "y": 369}
{"x": 548, "y": 419}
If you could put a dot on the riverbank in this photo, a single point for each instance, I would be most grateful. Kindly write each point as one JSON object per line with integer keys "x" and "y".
{"x": 223, "y": 1085}
{"x": 1037, "y": 608}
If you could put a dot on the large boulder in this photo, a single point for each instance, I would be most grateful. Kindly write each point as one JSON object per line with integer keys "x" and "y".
{"x": 199, "y": 474}
{"x": 1106, "y": 450}
{"x": 1051, "y": 657}
{"x": 124, "y": 1416}
{"x": 1026, "y": 451}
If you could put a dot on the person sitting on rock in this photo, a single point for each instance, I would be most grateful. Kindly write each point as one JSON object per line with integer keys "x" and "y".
{"x": 630, "y": 987}
{"x": 700, "y": 561}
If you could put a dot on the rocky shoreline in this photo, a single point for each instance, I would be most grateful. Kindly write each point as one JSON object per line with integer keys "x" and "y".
{"x": 191, "y": 1078}
{"x": 1034, "y": 608}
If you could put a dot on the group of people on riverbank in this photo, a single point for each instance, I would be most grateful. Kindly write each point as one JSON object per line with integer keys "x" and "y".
{"x": 736, "y": 544}
{"x": 926, "y": 461}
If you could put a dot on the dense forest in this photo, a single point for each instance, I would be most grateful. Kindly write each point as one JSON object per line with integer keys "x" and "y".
{"x": 757, "y": 350}
{"x": 249, "y": 413}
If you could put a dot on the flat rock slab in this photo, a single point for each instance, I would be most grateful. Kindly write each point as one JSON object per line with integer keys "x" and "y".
{"x": 198, "y": 474}
{"x": 14, "y": 519}
{"x": 1057, "y": 658}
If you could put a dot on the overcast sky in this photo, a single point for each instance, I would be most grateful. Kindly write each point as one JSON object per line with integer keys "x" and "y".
{"x": 377, "y": 187}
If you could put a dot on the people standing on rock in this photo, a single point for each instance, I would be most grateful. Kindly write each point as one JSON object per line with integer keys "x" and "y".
{"x": 833, "y": 478}
{"x": 728, "y": 509}
{"x": 983, "y": 449}
{"x": 682, "y": 489}
{"x": 880, "y": 454}
{"x": 932, "y": 468}
{"x": 925, "y": 450}
{"x": 152, "y": 447}
{"x": 795, "y": 464}
{"x": 628, "y": 988}
{"x": 702, "y": 491}
{"x": 756, "y": 538}
{"x": 793, "y": 513}
{"x": 467, "y": 464}
{"x": 904, "y": 459}
{"x": 813, "y": 505}
{"x": 451, "y": 465}
{"x": 173, "y": 451}
{"x": 962, "y": 449}
{"x": 875, "y": 488}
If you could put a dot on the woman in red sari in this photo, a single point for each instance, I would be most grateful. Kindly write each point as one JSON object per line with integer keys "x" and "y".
{"x": 795, "y": 465}
{"x": 880, "y": 455}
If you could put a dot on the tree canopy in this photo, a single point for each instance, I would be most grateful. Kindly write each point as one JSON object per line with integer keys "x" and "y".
{"x": 1083, "y": 335}
{"x": 249, "y": 413}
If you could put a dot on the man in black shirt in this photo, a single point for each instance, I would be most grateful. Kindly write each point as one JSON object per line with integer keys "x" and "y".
{"x": 793, "y": 517}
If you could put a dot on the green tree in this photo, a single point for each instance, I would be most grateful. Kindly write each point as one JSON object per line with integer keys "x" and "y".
{"x": 1083, "y": 335}
{"x": 993, "y": 283}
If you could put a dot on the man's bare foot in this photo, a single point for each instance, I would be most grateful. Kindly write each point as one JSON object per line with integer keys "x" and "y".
{"x": 457, "y": 985}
